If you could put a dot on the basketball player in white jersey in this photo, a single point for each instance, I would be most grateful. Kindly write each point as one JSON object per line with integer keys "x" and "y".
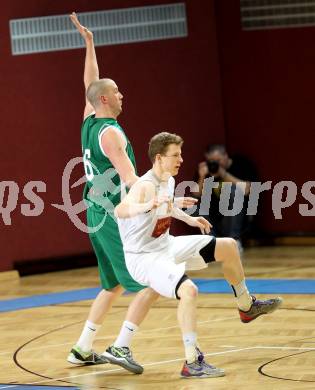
{"x": 156, "y": 259}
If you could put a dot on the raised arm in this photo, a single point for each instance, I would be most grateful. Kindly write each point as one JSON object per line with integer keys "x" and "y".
{"x": 91, "y": 72}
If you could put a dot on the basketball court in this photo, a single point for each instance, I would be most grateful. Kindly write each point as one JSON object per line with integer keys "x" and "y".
{"x": 42, "y": 316}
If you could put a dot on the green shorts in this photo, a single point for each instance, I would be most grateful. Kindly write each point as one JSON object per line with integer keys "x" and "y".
{"x": 108, "y": 248}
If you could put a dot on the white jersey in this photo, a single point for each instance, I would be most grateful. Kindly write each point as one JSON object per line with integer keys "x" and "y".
{"x": 149, "y": 231}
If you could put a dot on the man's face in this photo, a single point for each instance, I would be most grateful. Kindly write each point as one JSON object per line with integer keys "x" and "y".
{"x": 171, "y": 160}
{"x": 219, "y": 157}
{"x": 114, "y": 97}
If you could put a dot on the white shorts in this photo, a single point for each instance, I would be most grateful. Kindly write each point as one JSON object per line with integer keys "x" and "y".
{"x": 162, "y": 270}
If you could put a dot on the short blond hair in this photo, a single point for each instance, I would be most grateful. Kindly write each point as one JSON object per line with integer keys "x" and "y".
{"x": 160, "y": 142}
{"x": 96, "y": 89}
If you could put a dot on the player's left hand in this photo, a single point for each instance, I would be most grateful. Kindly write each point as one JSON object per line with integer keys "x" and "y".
{"x": 184, "y": 202}
{"x": 86, "y": 34}
{"x": 200, "y": 222}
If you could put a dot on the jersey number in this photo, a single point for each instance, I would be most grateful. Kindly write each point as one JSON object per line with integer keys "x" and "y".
{"x": 87, "y": 165}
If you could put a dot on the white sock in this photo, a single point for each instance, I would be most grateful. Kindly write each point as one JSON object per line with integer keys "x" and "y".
{"x": 243, "y": 299}
{"x": 88, "y": 335}
{"x": 127, "y": 332}
{"x": 190, "y": 343}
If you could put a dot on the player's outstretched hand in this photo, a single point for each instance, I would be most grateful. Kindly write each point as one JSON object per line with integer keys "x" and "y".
{"x": 158, "y": 200}
{"x": 86, "y": 34}
{"x": 200, "y": 222}
{"x": 184, "y": 202}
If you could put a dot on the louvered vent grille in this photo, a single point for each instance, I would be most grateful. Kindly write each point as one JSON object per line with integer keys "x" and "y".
{"x": 52, "y": 33}
{"x": 270, "y": 14}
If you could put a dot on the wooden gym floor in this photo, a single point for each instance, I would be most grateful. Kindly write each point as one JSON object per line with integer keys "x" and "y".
{"x": 274, "y": 352}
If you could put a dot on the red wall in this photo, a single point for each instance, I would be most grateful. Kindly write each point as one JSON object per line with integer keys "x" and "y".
{"x": 171, "y": 85}
{"x": 268, "y": 84}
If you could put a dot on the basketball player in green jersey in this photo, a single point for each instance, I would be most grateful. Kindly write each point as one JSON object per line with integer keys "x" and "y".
{"x": 109, "y": 162}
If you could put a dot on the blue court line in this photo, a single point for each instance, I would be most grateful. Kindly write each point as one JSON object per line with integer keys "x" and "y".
{"x": 48, "y": 299}
{"x": 259, "y": 286}
{"x": 32, "y": 387}
{"x": 207, "y": 286}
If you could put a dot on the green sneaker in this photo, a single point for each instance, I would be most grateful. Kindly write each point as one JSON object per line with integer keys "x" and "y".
{"x": 77, "y": 356}
{"x": 122, "y": 356}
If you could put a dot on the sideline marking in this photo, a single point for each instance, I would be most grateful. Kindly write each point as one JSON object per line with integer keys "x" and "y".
{"x": 159, "y": 362}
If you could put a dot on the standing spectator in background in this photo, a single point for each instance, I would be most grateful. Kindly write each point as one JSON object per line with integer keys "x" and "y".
{"x": 223, "y": 168}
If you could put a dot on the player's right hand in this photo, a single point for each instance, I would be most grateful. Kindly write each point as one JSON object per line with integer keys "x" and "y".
{"x": 85, "y": 33}
{"x": 158, "y": 200}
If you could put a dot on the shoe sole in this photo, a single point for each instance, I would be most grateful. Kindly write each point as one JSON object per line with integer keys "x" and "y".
{"x": 73, "y": 360}
{"x": 122, "y": 363}
{"x": 279, "y": 303}
{"x": 203, "y": 376}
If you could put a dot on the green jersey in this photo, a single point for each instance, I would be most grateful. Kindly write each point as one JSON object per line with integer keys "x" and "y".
{"x": 103, "y": 187}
